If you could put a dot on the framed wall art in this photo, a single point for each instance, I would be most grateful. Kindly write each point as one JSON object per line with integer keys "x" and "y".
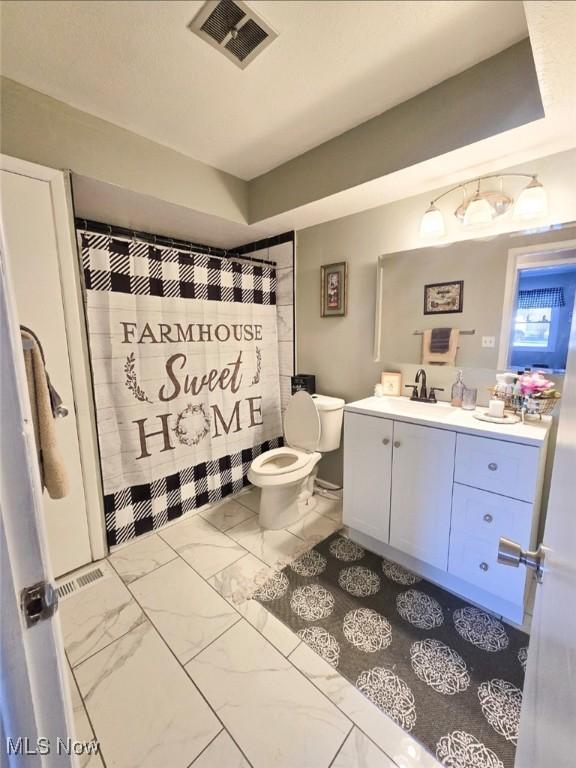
{"x": 334, "y": 289}
{"x": 391, "y": 383}
{"x": 443, "y": 298}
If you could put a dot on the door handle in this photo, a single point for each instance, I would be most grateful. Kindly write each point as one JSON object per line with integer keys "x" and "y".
{"x": 397, "y": 443}
{"x": 385, "y": 440}
{"x": 511, "y": 553}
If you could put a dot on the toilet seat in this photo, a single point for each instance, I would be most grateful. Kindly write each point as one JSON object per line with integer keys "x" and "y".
{"x": 280, "y": 461}
{"x": 267, "y": 470}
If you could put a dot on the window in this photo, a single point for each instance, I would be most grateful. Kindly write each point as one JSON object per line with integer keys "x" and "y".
{"x": 542, "y": 317}
{"x": 532, "y": 327}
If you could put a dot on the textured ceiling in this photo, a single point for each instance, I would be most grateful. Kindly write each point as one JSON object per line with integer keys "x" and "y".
{"x": 333, "y": 66}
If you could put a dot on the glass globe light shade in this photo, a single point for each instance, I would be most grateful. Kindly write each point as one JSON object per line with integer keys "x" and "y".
{"x": 533, "y": 201}
{"x": 478, "y": 212}
{"x": 432, "y": 224}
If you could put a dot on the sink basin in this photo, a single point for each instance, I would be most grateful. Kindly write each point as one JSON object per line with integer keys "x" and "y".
{"x": 407, "y": 407}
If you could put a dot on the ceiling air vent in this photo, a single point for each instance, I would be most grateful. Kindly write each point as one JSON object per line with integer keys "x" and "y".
{"x": 234, "y": 29}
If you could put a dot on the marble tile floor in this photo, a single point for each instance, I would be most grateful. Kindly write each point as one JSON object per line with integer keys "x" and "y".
{"x": 172, "y": 665}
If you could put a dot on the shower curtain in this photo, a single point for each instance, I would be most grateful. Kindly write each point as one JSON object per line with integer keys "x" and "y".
{"x": 184, "y": 357}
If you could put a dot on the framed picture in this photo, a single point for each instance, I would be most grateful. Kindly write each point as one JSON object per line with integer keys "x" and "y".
{"x": 391, "y": 383}
{"x": 443, "y": 298}
{"x": 334, "y": 289}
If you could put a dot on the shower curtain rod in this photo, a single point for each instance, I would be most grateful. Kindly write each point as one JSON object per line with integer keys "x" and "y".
{"x": 98, "y": 227}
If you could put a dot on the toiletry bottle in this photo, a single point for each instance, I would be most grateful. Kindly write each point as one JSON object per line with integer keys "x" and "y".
{"x": 501, "y": 382}
{"x": 457, "y": 391}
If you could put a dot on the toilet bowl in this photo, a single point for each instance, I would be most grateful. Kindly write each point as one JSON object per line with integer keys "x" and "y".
{"x": 312, "y": 425}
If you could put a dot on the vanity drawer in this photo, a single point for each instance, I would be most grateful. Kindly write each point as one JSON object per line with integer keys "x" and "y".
{"x": 495, "y": 465}
{"x": 487, "y": 516}
{"x": 475, "y": 562}
{"x": 479, "y": 519}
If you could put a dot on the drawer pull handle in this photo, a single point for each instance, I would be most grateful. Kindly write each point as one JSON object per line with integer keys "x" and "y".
{"x": 488, "y": 517}
{"x": 397, "y": 443}
{"x": 493, "y": 466}
{"x": 385, "y": 441}
{"x": 483, "y": 566}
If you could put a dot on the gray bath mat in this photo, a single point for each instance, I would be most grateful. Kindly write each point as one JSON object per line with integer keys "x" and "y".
{"x": 448, "y": 673}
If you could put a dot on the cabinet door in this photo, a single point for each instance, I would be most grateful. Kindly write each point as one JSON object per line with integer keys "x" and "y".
{"x": 367, "y": 470}
{"x": 422, "y": 474}
{"x": 479, "y": 519}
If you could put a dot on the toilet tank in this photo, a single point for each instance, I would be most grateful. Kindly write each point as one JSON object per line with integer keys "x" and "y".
{"x": 331, "y": 412}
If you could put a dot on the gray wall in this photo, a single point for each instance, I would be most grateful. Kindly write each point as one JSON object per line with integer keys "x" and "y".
{"x": 496, "y": 95}
{"x": 339, "y": 350}
{"x": 43, "y": 130}
{"x": 481, "y": 264}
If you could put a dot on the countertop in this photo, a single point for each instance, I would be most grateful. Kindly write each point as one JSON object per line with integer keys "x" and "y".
{"x": 443, "y": 416}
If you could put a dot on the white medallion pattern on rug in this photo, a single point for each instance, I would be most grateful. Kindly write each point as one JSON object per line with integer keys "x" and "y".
{"x": 322, "y": 642}
{"x": 501, "y": 703}
{"x": 359, "y": 581}
{"x": 463, "y": 750}
{"x": 439, "y": 666}
{"x": 390, "y": 694}
{"x": 346, "y": 549}
{"x": 367, "y": 630}
{"x": 398, "y": 574}
{"x": 480, "y": 629}
{"x": 309, "y": 564}
{"x": 312, "y": 602}
{"x": 273, "y": 589}
{"x": 419, "y": 609}
{"x": 415, "y": 651}
{"x": 523, "y": 657}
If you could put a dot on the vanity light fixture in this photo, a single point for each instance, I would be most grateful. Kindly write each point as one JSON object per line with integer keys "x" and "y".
{"x": 484, "y": 205}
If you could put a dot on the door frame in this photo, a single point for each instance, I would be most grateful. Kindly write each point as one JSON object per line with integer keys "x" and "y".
{"x": 526, "y": 257}
{"x": 76, "y": 339}
{"x": 37, "y": 706}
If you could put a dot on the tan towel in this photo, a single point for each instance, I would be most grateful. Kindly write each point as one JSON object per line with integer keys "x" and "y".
{"x": 52, "y": 469}
{"x": 440, "y": 358}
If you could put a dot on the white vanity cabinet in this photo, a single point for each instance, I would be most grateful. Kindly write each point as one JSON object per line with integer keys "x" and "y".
{"x": 368, "y": 473}
{"x": 398, "y": 484}
{"x": 435, "y": 494}
{"x": 422, "y": 472}
{"x": 479, "y": 519}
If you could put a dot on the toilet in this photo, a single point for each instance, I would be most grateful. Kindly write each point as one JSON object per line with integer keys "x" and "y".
{"x": 312, "y": 426}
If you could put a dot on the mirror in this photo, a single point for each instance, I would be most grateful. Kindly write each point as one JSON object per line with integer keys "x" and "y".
{"x": 510, "y": 297}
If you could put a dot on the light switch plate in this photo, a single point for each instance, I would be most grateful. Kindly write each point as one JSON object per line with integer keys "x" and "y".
{"x": 489, "y": 341}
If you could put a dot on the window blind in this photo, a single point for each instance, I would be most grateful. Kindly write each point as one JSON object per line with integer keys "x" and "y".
{"x": 541, "y": 297}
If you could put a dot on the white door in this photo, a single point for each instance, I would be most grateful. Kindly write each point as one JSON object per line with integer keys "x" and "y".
{"x": 35, "y": 700}
{"x": 367, "y": 474}
{"x": 40, "y": 252}
{"x": 548, "y": 720}
{"x": 422, "y": 476}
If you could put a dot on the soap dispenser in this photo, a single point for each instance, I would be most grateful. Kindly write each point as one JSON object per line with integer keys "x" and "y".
{"x": 457, "y": 390}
